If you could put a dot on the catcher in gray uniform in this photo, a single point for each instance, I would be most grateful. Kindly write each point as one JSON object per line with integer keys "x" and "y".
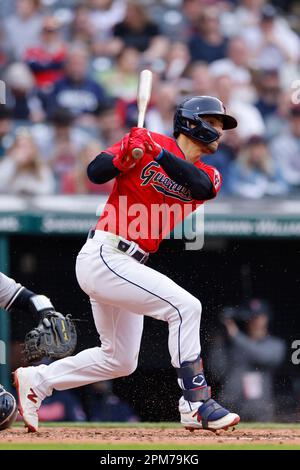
{"x": 55, "y": 336}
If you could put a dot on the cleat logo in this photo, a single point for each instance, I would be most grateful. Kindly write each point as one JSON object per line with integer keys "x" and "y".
{"x": 32, "y": 396}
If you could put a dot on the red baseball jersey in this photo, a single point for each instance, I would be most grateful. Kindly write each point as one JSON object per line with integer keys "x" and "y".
{"x": 145, "y": 203}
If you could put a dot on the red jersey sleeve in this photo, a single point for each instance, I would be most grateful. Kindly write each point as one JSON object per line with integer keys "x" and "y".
{"x": 213, "y": 174}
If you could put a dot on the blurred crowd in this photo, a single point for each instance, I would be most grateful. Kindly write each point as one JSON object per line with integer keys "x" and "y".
{"x": 71, "y": 69}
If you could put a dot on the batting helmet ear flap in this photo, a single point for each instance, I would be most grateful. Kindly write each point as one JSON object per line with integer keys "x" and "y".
{"x": 8, "y": 409}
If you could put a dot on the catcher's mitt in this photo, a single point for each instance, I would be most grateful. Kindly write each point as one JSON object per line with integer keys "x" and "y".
{"x": 55, "y": 337}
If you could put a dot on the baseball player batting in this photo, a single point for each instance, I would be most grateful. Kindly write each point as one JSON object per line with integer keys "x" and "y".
{"x": 111, "y": 266}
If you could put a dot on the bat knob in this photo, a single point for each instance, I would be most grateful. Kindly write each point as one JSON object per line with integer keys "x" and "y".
{"x": 137, "y": 153}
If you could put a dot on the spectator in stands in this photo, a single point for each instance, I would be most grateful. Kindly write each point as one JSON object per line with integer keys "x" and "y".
{"x": 6, "y": 137}
{"x": 285, "y": 150}
{"x": 160, "y": 116}
{"x": 22, "y": 29}
{"x": 201, "y": 79}
{"x": 111, "y": 119}
{"x": 59, "y": 140}
{"x": 177, "y": 61}
{"x": 104, "y": 15}
{"x": 192, "y": 10}
{"x": 138, "y": 31}
{"x": 254, "y": 174}
{"x": 4, "y": 57}
{"x": 81, "y": 29}
{"x": 76, "y": 182}
{"x": 62, "y": 144}
{"x": 208, "y": 43}
{"x": 249, "y": 118}
{"x": 245, "y": 364}
{"x": 22, "y": 170}
{"x": 21, "y": 94}
{"x": 277, "y": 122}
{"x": 77, "y": 92}
{"x": 272, "y": 42}
{"x": 245, "y": 15}
{"x": 46, "y": 58}
{"x": 236, "y": 65}
{"x": 269, "y": 92}
{"x": 121, "y": 80}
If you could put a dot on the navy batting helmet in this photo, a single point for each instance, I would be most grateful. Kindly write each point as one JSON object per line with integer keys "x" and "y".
{"x": 190, "y": 112}
{"x": 8, "y": 409}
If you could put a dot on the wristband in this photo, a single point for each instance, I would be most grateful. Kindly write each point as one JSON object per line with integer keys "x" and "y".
{"x": 160, "y": 155}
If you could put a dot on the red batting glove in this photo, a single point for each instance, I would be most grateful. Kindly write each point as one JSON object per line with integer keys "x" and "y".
{"x": 124, "y": 160}
{"x": 139, "y": 137}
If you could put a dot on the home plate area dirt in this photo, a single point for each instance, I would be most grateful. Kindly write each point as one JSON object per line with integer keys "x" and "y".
{"x": 94, "y": 435}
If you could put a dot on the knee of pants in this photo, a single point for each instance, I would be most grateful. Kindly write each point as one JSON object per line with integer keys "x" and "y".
{"x": 123, "y": 366}
{"x": 191, "y": 307}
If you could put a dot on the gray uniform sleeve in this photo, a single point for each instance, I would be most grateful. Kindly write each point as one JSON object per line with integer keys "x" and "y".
{"x": 269, "y": 352}
{"x": 8, "y": 290}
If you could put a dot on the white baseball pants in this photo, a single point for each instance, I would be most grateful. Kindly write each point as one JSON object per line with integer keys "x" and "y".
{"x": 122, "y": 291}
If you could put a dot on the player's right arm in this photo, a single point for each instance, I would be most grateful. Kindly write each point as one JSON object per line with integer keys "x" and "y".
{"x": 102, "y": 169}
{"x": 110, "y": 163}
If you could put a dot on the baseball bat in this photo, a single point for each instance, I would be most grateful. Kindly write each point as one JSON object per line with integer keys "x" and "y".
{"x": 143, "y": 98}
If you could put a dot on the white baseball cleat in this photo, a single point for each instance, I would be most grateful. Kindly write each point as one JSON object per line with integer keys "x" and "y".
{"x": 210, "y": 415}
{"x": 29, "y": 403}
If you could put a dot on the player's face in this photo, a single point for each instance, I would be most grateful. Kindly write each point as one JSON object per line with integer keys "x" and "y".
{"x": 193, "y": 149}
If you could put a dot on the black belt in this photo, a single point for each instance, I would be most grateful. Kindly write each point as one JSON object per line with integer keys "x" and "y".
{"x": 124, "y": 246}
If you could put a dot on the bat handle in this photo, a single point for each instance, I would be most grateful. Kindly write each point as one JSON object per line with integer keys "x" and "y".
{"x": 137, "y": 153}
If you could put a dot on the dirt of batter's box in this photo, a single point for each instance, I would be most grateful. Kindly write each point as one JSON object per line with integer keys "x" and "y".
{"x": 76, "y": 435}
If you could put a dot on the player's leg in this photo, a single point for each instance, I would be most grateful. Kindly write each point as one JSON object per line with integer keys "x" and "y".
{"x": 120, "y": 332}
{"x": 117, "y": 279}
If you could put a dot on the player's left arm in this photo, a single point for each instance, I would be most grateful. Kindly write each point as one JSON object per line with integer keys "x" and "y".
{"x": 197, "y": 180}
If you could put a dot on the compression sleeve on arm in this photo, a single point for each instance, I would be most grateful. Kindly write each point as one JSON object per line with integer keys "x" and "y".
{"x": 102, "y": 169}
{"x": 188, "y": 175}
